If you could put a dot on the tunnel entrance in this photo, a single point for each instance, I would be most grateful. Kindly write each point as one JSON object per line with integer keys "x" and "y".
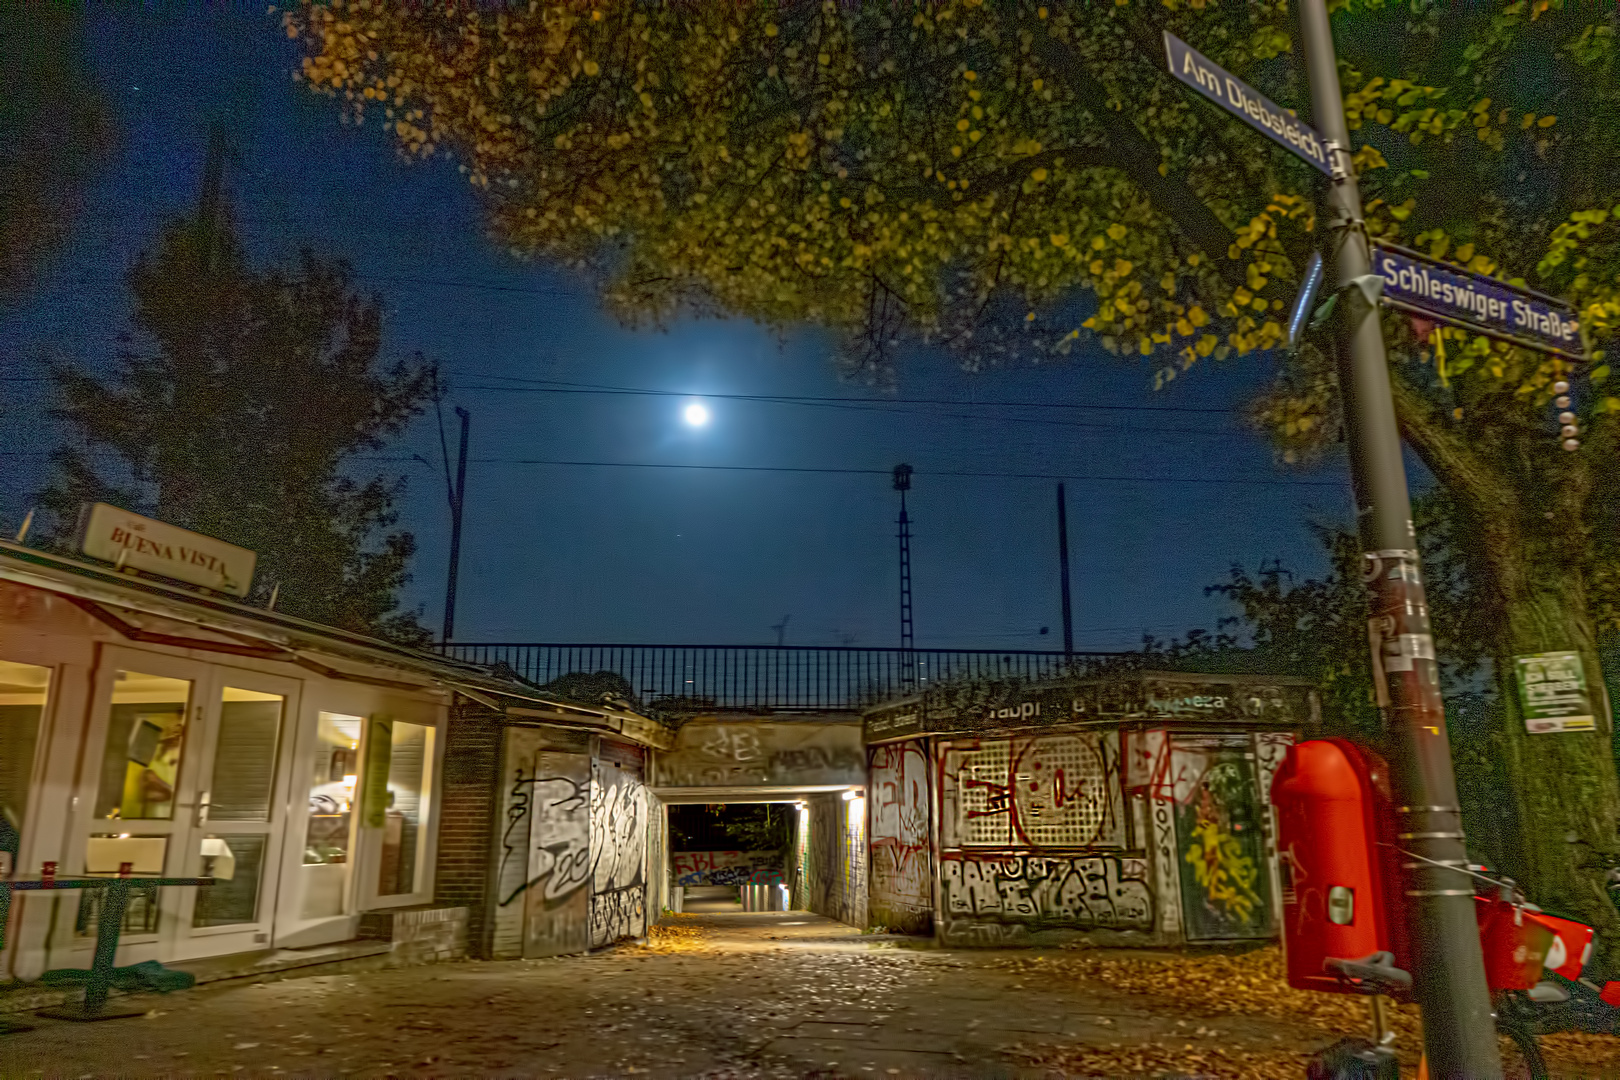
{"x": 731, "y": 857}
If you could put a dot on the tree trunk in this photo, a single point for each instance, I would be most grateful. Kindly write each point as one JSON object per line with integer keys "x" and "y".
{"x": 1563, "y": 782}
{"x": 1528, "y": 553}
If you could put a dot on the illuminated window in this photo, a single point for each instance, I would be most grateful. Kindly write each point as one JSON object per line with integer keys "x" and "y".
{"x": 22, "y": 704}
{"x": 146, "y": 735}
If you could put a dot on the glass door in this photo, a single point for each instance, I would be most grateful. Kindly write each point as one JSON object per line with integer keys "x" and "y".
{"x": 326, "y": 865}
{"x": 241, "y": 813}
{"x": 143, "y": 741}
{"x": 189, "y": 781}
{"x": 395, "y": 799}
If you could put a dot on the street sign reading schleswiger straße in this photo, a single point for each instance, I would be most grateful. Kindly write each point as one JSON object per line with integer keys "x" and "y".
{"x": 1486, "y": 305}
{"x": 1245, "y": 102}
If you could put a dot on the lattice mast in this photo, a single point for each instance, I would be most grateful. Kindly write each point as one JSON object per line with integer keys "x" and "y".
{"x": 902, "y": 484}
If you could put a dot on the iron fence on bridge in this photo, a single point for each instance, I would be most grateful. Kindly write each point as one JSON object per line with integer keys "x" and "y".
{"x": 770, "y": 677}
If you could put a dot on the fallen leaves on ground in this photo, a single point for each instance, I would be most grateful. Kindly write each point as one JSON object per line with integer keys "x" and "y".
{"x": 672, "y": 935}
{"x": 1249, "y": 984}
{"x": 1255, "y": 984}
{"x": 1158, "y": 1059}
{"x": 1581, "y": 1050}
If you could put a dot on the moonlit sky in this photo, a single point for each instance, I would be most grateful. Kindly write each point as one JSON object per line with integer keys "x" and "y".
{"x": 591, "y": 553}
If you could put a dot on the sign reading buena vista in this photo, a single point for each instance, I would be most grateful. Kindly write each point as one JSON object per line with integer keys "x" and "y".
{"x": 140, "y": 543}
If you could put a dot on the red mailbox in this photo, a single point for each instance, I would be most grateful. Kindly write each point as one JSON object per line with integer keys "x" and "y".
{"x": 1339, "y": 894}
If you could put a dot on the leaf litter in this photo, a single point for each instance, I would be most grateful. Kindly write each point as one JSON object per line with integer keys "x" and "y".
{"x": 1251, "y": 984}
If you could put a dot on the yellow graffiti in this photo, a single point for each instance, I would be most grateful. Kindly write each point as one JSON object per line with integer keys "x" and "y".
{"x": 1227, "y": 876}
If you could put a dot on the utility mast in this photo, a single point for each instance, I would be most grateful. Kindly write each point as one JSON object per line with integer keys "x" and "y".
{"x": 902, "y": 484}
{"x": 1063, "y": 570}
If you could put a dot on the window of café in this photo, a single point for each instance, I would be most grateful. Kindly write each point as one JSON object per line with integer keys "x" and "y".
{"x": 146, "y": 735}
{"x": 22, "y": 706}
{"x": 328, "y": 836}
{"x": 404, "y": 836}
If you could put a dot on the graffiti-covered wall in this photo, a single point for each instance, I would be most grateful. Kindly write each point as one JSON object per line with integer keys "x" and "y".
{"x": 1212, "y": 825}
{"x": 618, "y": 855}
{"x": 834, "y": 854}
{"x": 730, "y": 753}
{"x": 1037, "y": 840}
{"x": 725, "y": 867}
{"x": 542, "y": 857}
{"x": 900, "y": 868}
{"x": 1122, "y": 810}
{"x": 571, "y": 844}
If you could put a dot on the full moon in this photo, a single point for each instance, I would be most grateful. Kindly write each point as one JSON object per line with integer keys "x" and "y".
{"x": 696, "y": 414}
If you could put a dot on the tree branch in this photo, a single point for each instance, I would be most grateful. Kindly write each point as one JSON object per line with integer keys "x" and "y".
{"x": 1139, "y": 158}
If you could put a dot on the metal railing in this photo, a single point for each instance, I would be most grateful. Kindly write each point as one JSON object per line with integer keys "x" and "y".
{"x": 769, "y": 677}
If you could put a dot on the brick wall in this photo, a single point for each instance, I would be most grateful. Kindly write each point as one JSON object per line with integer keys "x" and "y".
{"x": 419, "y": 935}
{"x": 467, "y": 817}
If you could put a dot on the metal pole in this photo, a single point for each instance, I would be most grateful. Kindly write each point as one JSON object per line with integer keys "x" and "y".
{"x": 1448, "y": 970}
{"x": 1063, "y": 563}
{"x": 902, "y": 484}
{"x": 456, "y": 503}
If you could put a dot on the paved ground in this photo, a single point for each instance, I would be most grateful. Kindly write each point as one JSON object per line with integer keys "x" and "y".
{"x": 722, "y": 996}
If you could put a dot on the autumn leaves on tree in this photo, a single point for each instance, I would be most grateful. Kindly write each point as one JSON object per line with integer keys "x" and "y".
{"x": 1014, "y": 179}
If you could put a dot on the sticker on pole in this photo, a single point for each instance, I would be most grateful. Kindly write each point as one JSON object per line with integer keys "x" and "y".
{"x": 1552, "y": 693}
{"x": 1245, "y": 102}
{"x": 1486, "y": 305}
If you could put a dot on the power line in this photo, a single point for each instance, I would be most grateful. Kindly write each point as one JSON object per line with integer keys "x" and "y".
{"x": 832, "y": 471}
{"x": 606, "y": 389}
{"x": 878, "y": 406}
{"x": 881, "y": 405}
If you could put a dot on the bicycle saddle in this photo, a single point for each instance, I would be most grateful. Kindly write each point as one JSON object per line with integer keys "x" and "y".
{"x": 1376, "y": 969}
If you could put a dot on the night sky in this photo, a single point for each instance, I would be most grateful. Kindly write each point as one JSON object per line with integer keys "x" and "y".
{"x": 589, "y": 553}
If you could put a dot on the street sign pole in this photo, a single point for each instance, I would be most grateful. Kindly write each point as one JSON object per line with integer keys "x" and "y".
{"x": 1449, "y": 971}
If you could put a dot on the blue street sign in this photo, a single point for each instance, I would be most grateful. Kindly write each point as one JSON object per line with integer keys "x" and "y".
{"x": 1245, "y": 102}
{"x": 1413, "y": 282}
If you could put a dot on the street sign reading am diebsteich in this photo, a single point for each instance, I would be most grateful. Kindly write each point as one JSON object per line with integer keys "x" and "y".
{"x": 1245, "y": 102}
{"x": 1413, "y": 282}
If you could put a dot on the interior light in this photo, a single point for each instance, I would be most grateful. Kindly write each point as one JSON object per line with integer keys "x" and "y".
{"x": 852, "y": 793}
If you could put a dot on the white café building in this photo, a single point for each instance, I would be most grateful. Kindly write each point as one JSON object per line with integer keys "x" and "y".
{"x": 183, "y": 732}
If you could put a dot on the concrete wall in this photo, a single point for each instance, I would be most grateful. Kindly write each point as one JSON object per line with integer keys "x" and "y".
{"x": 1115, "y": 837}
{"x": 658, "y": 878}
{"x": 834, "y": 855}
{"x": 576, "y": 830}
{"x": 725, "y": 867}
{"x": 709, "y": 752}
{"x": 618, "y": 905}
{"x": 1035, "y": 840}
{"x": 901, "y": 865}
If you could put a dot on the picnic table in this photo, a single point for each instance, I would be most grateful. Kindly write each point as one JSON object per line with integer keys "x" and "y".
{"x": 115, "y": 892}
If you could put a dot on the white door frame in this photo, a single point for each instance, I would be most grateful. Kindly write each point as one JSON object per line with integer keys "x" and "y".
{"x": 176, "y": 938}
